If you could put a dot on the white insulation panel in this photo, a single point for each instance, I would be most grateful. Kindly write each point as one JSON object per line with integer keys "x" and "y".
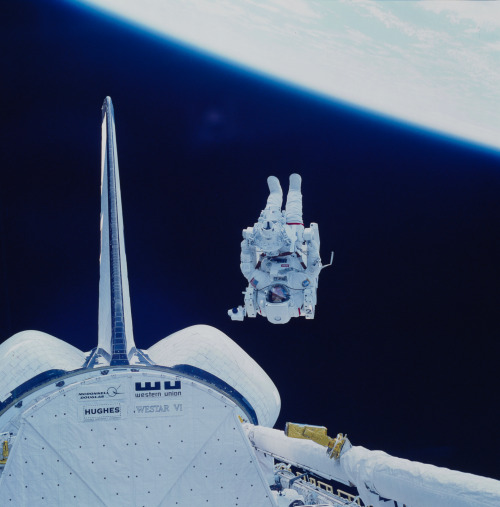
{"x": 29, "y": 353}
{"x": 134, "y": 439}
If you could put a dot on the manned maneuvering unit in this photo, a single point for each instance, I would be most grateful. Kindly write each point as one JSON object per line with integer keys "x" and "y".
{"x": 280, "y": 259}
{"x": 187, "y": 422}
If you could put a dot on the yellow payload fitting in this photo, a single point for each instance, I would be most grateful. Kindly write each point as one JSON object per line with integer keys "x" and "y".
{"x": 5, "y": 452}
{"x": 335, "y": 447}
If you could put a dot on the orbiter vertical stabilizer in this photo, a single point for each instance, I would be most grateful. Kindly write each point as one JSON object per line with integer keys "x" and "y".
{"x": 116, "y": 337}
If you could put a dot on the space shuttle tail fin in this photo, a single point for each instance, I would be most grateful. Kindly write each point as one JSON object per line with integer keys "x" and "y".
{"x": 116, "y": 338}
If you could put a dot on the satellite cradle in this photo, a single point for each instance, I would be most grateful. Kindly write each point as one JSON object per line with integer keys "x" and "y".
{"x": 187, "y": 422}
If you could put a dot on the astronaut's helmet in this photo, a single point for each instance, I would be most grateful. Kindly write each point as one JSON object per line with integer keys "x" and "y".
{"x": 278, "y": 294}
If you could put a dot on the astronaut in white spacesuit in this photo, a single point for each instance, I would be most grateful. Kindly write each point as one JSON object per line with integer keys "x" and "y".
{"x": 280, "y": 259}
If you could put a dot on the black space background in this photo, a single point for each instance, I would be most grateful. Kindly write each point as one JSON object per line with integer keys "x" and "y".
{"x": 403, "y": 354}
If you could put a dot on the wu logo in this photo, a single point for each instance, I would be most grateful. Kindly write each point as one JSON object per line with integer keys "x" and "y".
{"x": 156, "y": 386}
{"x": 147, "y": 386}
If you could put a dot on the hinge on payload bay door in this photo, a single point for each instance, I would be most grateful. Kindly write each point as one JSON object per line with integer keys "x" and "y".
{"x": 6, "y": 437}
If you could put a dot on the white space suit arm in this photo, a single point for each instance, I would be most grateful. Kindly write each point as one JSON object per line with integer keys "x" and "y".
{"x": 248, "y": 259}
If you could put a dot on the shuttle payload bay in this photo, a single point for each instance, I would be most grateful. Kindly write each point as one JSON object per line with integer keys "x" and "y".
{"x": 188, "y": 421}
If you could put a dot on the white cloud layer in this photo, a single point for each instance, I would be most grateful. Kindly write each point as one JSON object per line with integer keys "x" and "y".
{"x": 435, "y": 64}
{"x": 484, "y": 14}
